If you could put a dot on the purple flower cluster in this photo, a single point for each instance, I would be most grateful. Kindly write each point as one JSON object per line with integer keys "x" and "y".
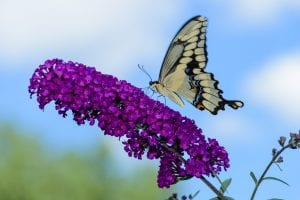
{"x": 123, "y": 110}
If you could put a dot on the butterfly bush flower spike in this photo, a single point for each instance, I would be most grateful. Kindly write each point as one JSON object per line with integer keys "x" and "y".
{"x": 147, "y": 127}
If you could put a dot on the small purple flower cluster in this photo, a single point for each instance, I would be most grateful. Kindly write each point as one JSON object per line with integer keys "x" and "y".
{"x": 123, "y": 110}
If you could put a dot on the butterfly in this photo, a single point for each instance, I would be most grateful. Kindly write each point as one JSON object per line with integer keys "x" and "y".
{"x": 183, "y": 73}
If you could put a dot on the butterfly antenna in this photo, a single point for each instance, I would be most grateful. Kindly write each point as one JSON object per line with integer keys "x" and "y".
{"x": 141, "y": 67}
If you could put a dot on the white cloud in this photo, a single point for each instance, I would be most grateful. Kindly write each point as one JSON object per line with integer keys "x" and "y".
{"x": 277, "y": 86}
{"x": 105, "y": 32}
{"x": 257, "y": 11}
{"x": 254, "y": 12}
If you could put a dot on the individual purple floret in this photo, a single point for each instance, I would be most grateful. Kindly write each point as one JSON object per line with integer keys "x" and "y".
{"x": 123, "y": 110}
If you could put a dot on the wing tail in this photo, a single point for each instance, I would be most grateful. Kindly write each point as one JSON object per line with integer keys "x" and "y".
{"x": 235, "y": 104}
{"x": 208, "y": 95}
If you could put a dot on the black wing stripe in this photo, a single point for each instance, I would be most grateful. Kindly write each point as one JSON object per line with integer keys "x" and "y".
{"x": 187, "y": 52}
{"x": 186, "y": 42}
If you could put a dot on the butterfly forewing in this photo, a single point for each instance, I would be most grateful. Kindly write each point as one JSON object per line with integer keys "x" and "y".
{"x": 185, "y": 45}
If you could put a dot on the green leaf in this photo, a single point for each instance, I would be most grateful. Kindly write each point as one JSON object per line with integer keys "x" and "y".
{"x": 225, "y": 185}
{"x": 276, "y": 179}
{"x": 253, "y": 177}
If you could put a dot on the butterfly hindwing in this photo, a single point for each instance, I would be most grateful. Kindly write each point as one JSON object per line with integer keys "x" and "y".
{"x": 208, "y": 95}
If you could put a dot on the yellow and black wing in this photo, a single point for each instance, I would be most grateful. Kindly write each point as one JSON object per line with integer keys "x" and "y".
{"x": 183, "y": 70}
{"x": 204, "y": 94}
{"x": 188, "y": 44}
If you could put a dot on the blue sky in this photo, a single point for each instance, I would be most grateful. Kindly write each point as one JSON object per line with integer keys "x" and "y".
{"x": 253, "y": 50}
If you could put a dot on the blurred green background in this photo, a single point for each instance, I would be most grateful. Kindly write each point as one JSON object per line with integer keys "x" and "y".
{"x": 28, "y": 171}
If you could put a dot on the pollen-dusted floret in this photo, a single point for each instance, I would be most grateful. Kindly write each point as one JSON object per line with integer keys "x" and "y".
{"x": 123, "y": 110}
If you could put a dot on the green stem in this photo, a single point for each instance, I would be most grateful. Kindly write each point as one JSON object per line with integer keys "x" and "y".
{"x": 267, "y": 169}
{"x": 213, "y": 188}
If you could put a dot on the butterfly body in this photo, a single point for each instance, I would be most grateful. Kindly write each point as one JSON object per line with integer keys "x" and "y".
{"x": 167, "y": 92}
{"x": 183, "y": 74}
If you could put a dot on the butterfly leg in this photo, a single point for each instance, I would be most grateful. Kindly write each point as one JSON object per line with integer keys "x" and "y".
{"x": 147, "y": 89}
{"x": 162, "y": 96}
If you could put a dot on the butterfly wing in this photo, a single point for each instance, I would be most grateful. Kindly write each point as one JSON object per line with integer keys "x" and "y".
{"x": 199, "y": 88}
{"x": 172, "y": 70}
{"x": 183, "y": 70}
{"x": 204, "y": 93}
{"x": 167, "y": 92}
{"x": 183, "y": 46}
